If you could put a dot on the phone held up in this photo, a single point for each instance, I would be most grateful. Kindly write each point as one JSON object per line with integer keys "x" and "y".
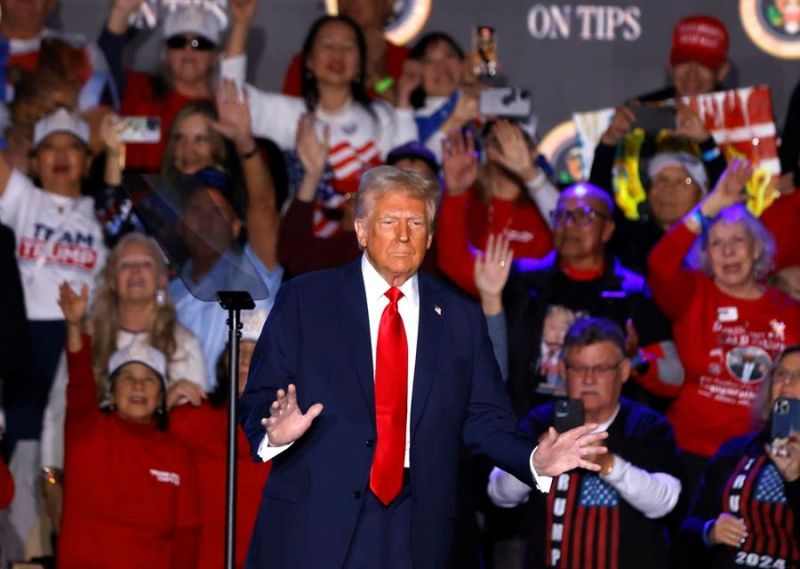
{"x": 484, "y": 46}
{"x": 785, "y": 422}
{"x": 568, "y": 414}
{"x": 140, "y": 129}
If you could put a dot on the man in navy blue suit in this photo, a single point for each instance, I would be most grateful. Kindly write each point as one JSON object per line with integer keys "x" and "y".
{"x": 405, "y": 371}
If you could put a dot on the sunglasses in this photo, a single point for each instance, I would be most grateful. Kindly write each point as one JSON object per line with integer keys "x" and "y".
{"x": 197, "y": 43}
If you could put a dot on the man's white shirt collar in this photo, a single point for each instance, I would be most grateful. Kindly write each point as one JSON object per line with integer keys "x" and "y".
{"x": 376, "y": 286}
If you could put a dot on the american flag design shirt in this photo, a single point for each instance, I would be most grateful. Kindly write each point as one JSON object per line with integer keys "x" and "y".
{"x": 755, "y": 492}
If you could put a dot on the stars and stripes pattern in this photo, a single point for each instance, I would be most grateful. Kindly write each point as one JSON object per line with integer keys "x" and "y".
{"x": 346, "y": 164}
{"x": 763, "y": 506}
{"x": 589, "y": 526}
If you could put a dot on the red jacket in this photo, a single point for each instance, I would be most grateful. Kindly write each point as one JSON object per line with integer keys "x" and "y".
{"x": 726, "y": 345}
{"x": 465, "y": 223}
{"x": 203, "y": 430}
{"x": 130, "y": 494}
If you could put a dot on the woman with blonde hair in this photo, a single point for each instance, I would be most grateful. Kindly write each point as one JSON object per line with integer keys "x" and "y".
{"x": 131, "y": 306}
{"x": 130, "y": 310}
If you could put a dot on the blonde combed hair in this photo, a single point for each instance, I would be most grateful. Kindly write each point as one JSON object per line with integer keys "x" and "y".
{"x": 104, "y": 318}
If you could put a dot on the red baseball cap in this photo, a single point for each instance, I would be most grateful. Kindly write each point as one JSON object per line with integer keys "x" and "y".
{"x": 699, "y": 38}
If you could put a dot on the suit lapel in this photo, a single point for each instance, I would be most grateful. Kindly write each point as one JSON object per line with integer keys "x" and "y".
{"x": 355, "y": 324}
{"x": 431, "y": 318}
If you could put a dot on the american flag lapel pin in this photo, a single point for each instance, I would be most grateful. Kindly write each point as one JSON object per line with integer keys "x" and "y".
{"x": 438, "y": 310}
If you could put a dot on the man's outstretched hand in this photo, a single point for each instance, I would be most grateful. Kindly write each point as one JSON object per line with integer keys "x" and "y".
{"x": 286, "y": 423}
{"x": 560, "y": 453}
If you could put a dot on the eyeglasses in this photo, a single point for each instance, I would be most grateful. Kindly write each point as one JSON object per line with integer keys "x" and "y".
{"x": 197, "y": 43}
{"x": 782, "y": 375}
{"x": 600, "y": 371}
{"x": 582, "y": 216}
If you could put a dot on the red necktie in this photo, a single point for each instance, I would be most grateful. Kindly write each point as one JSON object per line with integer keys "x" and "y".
{"x": 391, "y": 396}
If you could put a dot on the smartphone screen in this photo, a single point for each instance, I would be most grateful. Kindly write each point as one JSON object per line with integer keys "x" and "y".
{"x": 785, "y": 417}
{"x": 140, "y": 129}
{"x": 484, "y": 44}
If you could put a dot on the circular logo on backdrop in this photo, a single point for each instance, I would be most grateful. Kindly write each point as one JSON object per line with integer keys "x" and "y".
{"x": 773, "y": 25}
{"x": 407, "y": 19}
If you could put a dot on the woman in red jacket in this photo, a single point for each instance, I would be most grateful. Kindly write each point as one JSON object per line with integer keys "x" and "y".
{"x": 729, "y": 327}
{"x": 130, "y": 497}
{"x": 508, "y": 195}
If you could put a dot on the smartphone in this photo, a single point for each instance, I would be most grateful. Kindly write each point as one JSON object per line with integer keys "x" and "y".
{"x": 568, "y": 414}
{"x": 654, "y": 118}
{"x": 484, "y": 45}
{"x": 140, "y": 129}
{"x": 508, "y": 102}
{"x": 785, "y": 417}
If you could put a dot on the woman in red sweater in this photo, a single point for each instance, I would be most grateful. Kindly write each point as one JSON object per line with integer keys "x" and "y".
{"x": 728, "y": 326}
{"x": 202, "y": 426}
{"x": 508, "y": 195}
{"x": 130, "y": 497}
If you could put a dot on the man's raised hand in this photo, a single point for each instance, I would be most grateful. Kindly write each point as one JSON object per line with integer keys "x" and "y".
{"x": 286, "y": 422}
{"x": 560, "y": 453}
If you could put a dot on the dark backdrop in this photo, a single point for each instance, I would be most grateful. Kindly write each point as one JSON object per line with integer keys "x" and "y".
{"x": 566, "y": 74}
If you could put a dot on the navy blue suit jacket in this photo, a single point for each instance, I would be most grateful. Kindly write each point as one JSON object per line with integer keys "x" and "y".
{"x": 318, "y": 338}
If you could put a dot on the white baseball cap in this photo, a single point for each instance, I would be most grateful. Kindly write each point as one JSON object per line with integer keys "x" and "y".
{"x": 140, "y": 353}
{"x": 193, "y": 19}
{"x": 252, "y": 324}
{"x": 692, "y": 165}
{"x": 61, "y": 121}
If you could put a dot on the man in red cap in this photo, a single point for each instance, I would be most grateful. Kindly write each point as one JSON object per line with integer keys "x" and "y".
{"x": 698, "y": 60}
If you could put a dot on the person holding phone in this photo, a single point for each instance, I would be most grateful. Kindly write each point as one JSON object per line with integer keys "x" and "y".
{"x": 192, "y": 43}
{"x": 745, "y": 510}
{"x": 614, "y": 517}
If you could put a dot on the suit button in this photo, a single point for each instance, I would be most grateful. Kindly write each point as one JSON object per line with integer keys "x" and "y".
{"x": 370, "y": 442}
{"x": 357, "y": 494}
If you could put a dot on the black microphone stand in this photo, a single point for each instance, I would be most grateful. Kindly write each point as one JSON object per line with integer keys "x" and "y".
{"x": 234, "y": 301}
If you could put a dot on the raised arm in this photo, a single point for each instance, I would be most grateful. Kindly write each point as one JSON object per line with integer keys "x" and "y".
{"x": 460, "y": 169}
{"x": 242, "y": 13}
{"x": 673, "y": 285}
{"x": 491, "y": 274}
{"x": 269, "y": 402}
{"x": 114, "y": 38}
{"x": 262, "y": 213}
{"x": 81, "y": 390}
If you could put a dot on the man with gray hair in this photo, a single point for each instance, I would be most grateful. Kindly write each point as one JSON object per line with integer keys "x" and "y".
{"x": 380, "y": 373}
{"x": 615, "y": 517}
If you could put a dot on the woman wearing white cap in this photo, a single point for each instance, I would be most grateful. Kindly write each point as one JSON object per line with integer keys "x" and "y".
{"x": 202, "y": 427}
{"x": 192, "y": 35}
{"x": 58, "y": 238}
{"x": 130, "y": 495}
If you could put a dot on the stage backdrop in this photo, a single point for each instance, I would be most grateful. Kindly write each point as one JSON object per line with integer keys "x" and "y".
{"x": 575, "y": 55}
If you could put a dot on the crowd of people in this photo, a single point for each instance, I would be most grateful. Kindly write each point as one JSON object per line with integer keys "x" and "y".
{"x": 676, "y": 331}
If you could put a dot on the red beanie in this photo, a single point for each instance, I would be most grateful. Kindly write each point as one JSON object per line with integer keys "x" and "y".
{"x": 703, "y": 39}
